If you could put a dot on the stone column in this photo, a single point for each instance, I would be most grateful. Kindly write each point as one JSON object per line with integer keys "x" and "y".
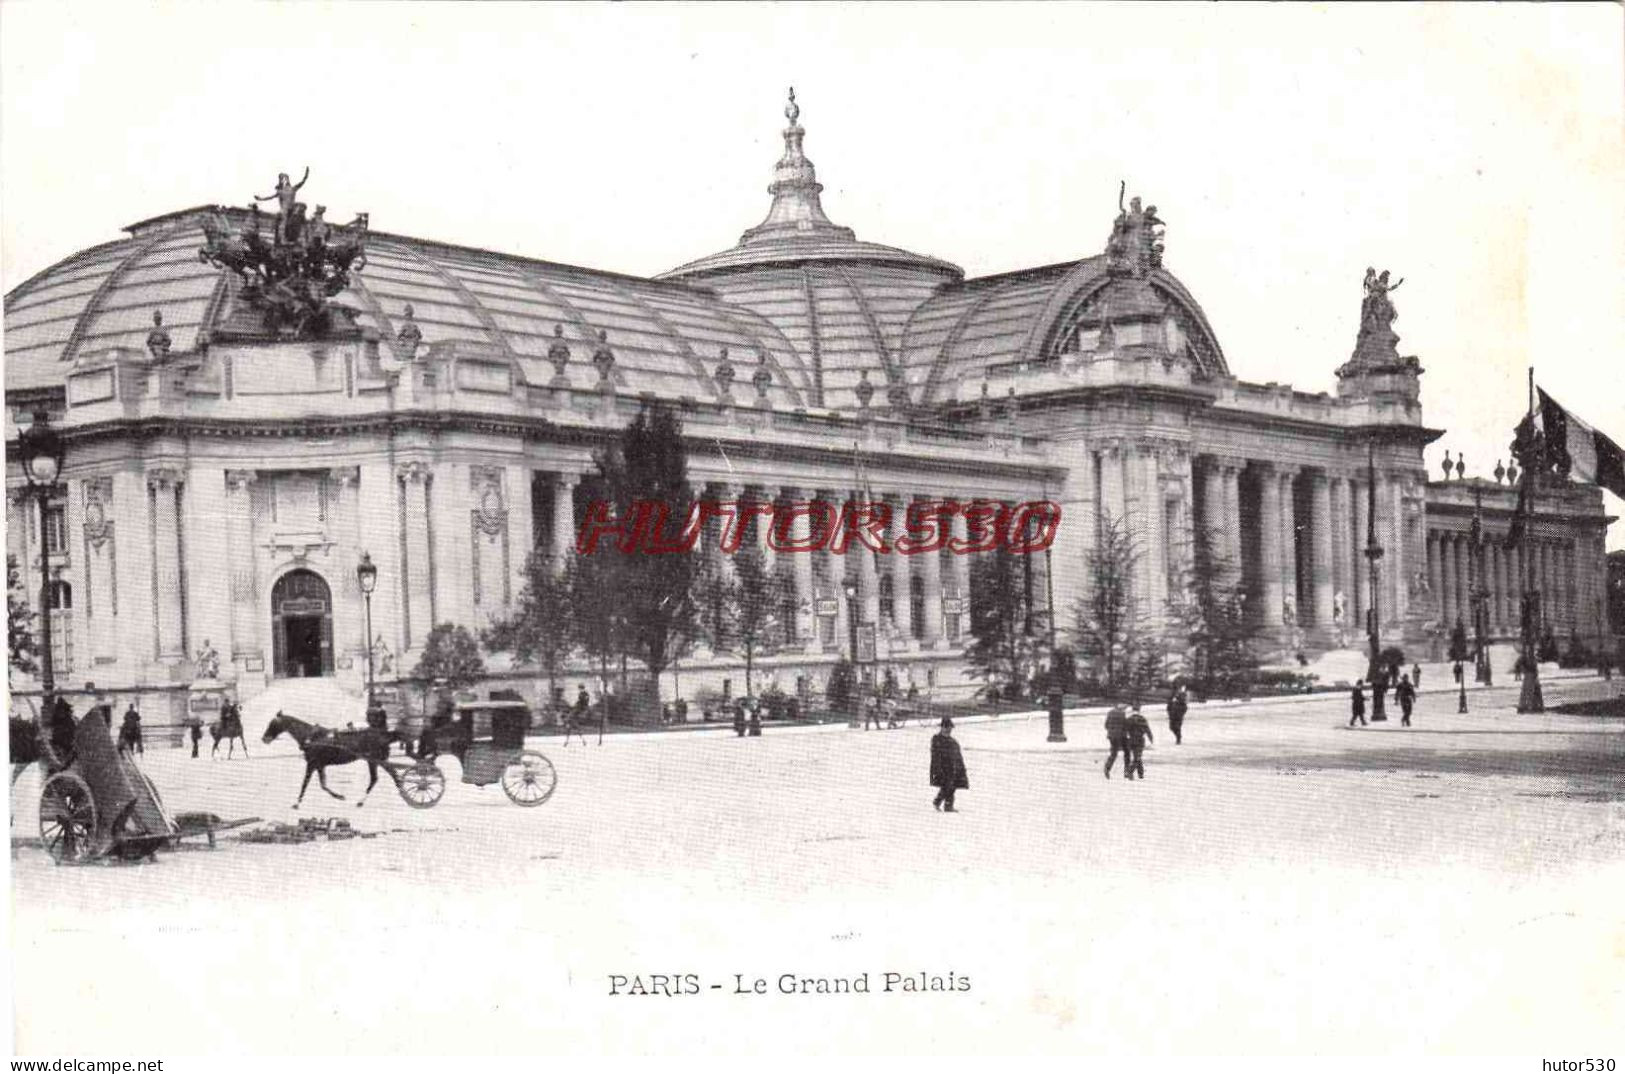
{"x": 1270, "y": 527}
{"x": 1289, "y": 537}
{"x": 417, "y": 593}
{"x": 835, "y": 573}
{"x": 521, "y": 526}
{"x": 243, "y": 581}
{"x": 1075, "y": 537}
{"x": 1321, "y": 525}
{"x": 564, "y": 517}
{"x": 1212, "y": 520}
{"x": 1400, "y": 560}
{"x": 163, "y": 486}
{"x": 1342, "y": 541}
{"x": 1435, "y": 575}
{"x": 1360, "y": 597}
{"x": 1184, "y": 534}
{"x": 900, "y": 568}
{"x": 1449, "y": 608}
{"x": 1232, "y": 519}
{"x": 345, "y": 519}
{"x": 1463, "y": 582}
{"x": 1113, "y": 491}
{"x": 960, "y": 568}
{"x": 1492, "y": 582}
{"x": 931, "y": 579}
{"x": 799, "y": 531}
{"x": 1153, "y": 573}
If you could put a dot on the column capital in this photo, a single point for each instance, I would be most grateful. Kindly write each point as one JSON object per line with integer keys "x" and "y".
{"x": 165, "y": 477}
{"x": 240, "y": 480}
{"x": 412, "y": 472}
{"x": 343, "y": 476}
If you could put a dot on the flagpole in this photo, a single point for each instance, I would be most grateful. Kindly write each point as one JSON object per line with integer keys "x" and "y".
{"x": 1529, "y": 696}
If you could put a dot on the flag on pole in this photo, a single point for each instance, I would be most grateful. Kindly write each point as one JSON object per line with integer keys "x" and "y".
{"x": 1576, "y": 450}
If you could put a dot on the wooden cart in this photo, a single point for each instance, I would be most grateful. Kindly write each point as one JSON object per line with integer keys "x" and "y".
{"x": 488, "y": 739}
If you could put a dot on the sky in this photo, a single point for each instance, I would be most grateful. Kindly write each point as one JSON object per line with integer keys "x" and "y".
{"x": 1477, "y": 151}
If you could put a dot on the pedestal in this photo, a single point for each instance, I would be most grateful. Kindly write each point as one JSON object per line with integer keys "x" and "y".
{"x": 204, "y": 700}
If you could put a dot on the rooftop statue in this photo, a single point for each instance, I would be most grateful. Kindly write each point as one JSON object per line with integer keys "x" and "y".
{"x": 291, "y": 278}
{"x": 1376, "y": 350}
{"x": 1135, "y": 246}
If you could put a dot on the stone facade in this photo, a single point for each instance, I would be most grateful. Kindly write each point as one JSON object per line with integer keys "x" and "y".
{"x": 220, "y": 490}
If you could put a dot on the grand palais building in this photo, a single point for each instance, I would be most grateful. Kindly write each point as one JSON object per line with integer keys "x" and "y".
{"x": 225, "y": 469}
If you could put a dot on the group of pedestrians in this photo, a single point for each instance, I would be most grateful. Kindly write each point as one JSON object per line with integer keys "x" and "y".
{"x": 1404, "y": 693}
{"x": 1127, "y": 734}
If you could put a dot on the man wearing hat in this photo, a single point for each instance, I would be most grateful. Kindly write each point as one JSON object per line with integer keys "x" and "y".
{"x": 947, "y": 767}
{"x": 1139, "y": 733}
{"x": 1116, "y": 736}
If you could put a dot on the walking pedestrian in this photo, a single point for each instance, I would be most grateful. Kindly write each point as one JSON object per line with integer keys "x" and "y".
{"x": 1406, "y": 693}
{"x": 871, "y": 713}
{"x": 739, "y": 719}
{"x": 1416, "y": 676}
{"x": 130, "y": 733}
{"x": 1177, "y": 706}
{"x": 1116, "y": 736}
{"x": 1139, "y": 733}
{"x": 1358, "y": 699}
{"x": 947, "y": 768}
{"x": 197, "y": 734}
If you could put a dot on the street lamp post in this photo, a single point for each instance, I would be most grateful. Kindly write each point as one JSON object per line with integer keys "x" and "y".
{"x": 40, "y": 449}
{"x": 1481, "y": 595}
{"x": 1373, "y": 553}
{"x": 366, "y": 573}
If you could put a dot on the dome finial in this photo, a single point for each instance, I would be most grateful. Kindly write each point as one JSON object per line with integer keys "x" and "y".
{"x": 792, "y": 111}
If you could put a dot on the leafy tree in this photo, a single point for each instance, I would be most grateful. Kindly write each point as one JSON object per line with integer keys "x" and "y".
{"x": 1004, "y": 648}
{"x": 752, "y": 604}
{"x": 1208, "y": 620}
{"x": 1108, "y": 624}
{"x": 593, "y": 596}
{"x": 654, "y": 592}
{"x": 842, "y": 690}
{"x": 21, "y": 645}
{"x": 451, "y": 653}
{"x": 540, "y": 631}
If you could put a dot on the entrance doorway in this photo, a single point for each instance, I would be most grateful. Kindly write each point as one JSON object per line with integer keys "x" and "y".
{"x": 301, "y": 626}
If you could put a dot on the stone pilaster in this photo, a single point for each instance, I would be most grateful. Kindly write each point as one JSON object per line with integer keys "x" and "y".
{"x": 564, "y": 517}
{"x": 1270, "y": 528}
{"x": 1323, "y": 573}
{"x": 164, "y": 489}
{"x": 931, "y": 631}
{"x": 1289, "y": 538}
{"x": 243, "y": 587}
{"x": 900, "y": 568}
{"x": 414, "y": 480}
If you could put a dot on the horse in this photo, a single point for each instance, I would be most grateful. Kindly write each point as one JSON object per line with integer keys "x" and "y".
{"x": 323, "y": 747}
{"x": 230, "y": 728}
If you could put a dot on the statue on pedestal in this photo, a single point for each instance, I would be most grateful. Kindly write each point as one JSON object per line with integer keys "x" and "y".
{"x": 208, "y": 661}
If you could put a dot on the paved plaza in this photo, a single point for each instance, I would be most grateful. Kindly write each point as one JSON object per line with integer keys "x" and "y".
{"x": 1292, "y": 883}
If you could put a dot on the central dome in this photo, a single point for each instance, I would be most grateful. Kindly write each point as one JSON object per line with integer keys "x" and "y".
{"x": 796, "y": 230}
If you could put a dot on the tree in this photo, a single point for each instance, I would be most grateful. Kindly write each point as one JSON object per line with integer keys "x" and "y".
{"x": 842, "y": 690}
{"x": 451, "y": 653}
{"x": 540, "y": 631}
{"x": 21, "y": 646}
{"x": 1209, "y": 621}
{"x": 655, "y": 592}
{"x": 1004, "y": 647}
{"x": 753, "y": 603}
{"x": 1109, "y": 625}
{"x": 593, "y": 596}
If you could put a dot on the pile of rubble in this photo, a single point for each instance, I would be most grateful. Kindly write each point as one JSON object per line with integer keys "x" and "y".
{"x": 308, "y": 830}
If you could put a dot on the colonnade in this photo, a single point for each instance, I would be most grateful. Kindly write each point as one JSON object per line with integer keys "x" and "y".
{"x": 1551, "y": 565}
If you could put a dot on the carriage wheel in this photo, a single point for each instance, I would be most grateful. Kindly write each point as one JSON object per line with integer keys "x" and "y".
{"x": 67, "y": 818}
{"x": 422, "y": 785}
{"x": 529, "y": 779}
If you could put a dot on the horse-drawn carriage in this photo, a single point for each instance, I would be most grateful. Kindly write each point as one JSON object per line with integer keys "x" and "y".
{"x": 488, "y": 740}
{"x": 102, "y": 805}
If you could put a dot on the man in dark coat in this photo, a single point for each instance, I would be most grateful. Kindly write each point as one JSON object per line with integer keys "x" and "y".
{"x": 130, "y": 734}
{"x": 1416, "y": 675}
{"x": 1177, "y": 706}
{"x": 1139, "y": 733}
{"x": 197, "y": 734}
{"x": 1405, "y": 693}
{"x": 947, "y": 767}
{"x": 1358, "y": 700}
{"x": 62, "y": 728}
{"x": 1116, "y": 737}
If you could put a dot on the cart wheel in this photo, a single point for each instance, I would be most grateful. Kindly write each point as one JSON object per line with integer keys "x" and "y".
{"x": 422, "y": 785}
{"x": 529, "y": 779}
{"x": 67, "y": 818}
